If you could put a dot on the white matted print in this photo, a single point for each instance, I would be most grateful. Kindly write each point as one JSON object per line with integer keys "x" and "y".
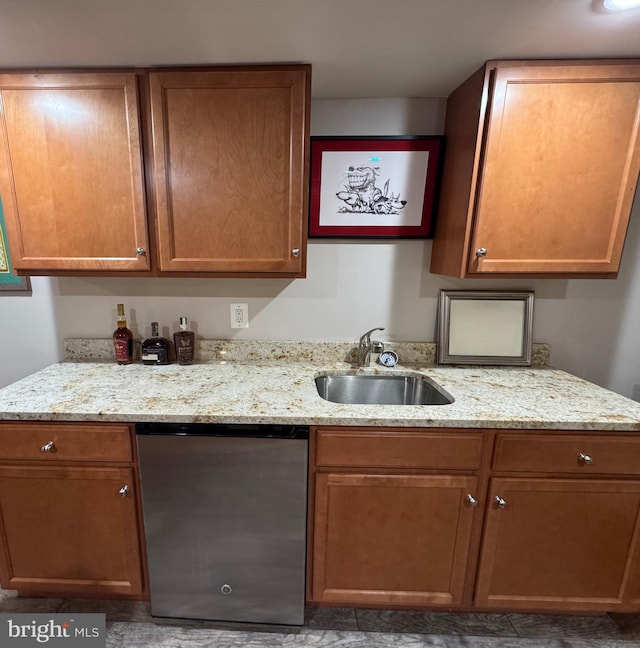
{"x": 362, "y": 187}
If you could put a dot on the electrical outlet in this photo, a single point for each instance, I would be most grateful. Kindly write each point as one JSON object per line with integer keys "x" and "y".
{"x": 239, "y": 315}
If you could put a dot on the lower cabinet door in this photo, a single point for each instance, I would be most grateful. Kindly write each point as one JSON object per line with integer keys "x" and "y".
{"x": 391, "y": 539}
{"x": 559, "y": 544}
{"x": 69, "y": 529}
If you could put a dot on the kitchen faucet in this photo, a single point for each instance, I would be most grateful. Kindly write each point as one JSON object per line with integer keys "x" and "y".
{"x": 366, "y": 346}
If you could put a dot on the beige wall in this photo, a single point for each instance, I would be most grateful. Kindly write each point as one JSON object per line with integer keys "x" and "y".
{"x": 352, "y": 285}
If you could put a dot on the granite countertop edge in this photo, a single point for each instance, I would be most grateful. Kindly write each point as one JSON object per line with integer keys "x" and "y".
{"x": 283, "y": 392}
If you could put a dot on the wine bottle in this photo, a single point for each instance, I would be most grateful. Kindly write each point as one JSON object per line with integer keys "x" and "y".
{"x": 123, "y": 339}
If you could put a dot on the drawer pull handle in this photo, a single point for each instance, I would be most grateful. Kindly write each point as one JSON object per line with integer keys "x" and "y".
{"x": 50, "y": 446}
{"x": 500, "y": 502}
{"x": 585, "y": 458}
{"x": 124, "y": 491}
{"x": 472, "y": 500}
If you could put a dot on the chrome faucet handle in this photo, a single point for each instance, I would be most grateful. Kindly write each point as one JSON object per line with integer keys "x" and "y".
{"x": 365, "y": 347}
{"x": 365, "y": 339}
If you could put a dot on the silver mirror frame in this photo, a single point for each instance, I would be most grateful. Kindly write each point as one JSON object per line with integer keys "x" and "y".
{"x": 444, "y": 322}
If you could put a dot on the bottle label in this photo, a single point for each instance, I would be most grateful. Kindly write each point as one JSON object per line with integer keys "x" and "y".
{"x": 155, "y": 356}
{"x": 184, "y": 350}
{"x": 124, "y": 350}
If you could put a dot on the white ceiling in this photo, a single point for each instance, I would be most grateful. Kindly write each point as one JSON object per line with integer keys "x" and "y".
{"x": 358, "y": 48}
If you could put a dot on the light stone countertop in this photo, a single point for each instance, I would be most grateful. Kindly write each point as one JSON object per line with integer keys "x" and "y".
{"x": 283, "y": 391}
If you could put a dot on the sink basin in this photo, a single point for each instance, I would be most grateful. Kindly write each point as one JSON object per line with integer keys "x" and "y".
{"x": 381, "y": 390}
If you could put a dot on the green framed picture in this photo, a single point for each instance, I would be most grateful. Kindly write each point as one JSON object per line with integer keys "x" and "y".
{"x": 8, "y": 280}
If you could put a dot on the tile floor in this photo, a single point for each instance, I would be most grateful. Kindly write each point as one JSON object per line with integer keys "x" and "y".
{"x": 130, "y": 625}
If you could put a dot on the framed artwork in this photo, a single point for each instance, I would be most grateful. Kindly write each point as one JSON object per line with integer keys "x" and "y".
{"x": 8, "y": 280}
{"x": 383, "y": 187}
{"x": 485, "y": 327}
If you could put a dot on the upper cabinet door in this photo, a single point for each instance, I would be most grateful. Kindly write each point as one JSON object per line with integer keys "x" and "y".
{"x": 230, "y": 156}
{"x": 71, "y": 174}
{"x": 544, "y": 184}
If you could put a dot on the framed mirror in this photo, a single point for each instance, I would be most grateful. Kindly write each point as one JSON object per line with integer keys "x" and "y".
{"x": 485, "y": 327}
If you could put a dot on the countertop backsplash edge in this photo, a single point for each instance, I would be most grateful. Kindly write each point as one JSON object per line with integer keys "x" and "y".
{"x": 409, "y": 353}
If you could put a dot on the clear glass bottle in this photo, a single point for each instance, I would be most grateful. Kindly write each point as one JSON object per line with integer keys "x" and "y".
{"x": 123, "y": 339}
{"x": 156, "y": 349}
{"x": 184, "y": 342}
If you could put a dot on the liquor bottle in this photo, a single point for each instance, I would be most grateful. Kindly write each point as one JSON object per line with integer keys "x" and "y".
{"x": 123, "y": 339}
{"x": 155, "y": 350}
{"x": 184, "y": 341}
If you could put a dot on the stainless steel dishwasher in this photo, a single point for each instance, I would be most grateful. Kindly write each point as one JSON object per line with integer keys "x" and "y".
{"x": 225, "y": 520}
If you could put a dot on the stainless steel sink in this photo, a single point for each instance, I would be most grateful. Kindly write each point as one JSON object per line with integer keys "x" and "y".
{"x": 381, "y": 390}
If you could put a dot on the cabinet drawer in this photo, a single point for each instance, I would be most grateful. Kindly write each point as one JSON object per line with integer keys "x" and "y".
{"x": 71, "y": 442}
{"x": 568, "y": 453}
{"x": 399, "y": 448}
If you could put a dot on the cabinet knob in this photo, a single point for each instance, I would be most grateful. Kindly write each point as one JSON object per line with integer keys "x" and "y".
{"x": 500, "y": 502}
{"x": 124, "y": 491}
{"x": 296, "y": 252}
{"x": 50, "y": 446}
{"x": 472, "y": 500}
{"x": 481, "y": 253}
{"x": 141, "y": 251}
{"x": 585, "y": 458}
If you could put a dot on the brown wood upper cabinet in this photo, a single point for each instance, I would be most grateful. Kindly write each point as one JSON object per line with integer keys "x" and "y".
{"x": 226, "y": 170}
{"x": 229, "y": 157}
{"x": 71, "y": 174}
{"x": 541, "y": 168}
